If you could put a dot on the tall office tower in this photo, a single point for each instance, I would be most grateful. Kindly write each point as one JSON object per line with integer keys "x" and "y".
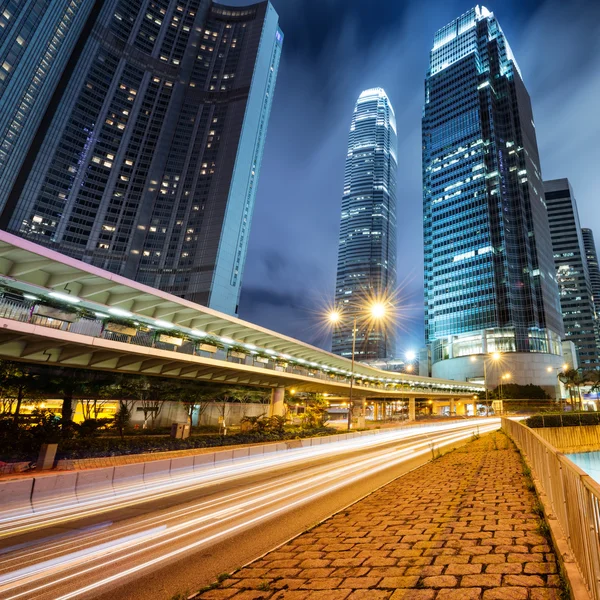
{"x": 591, "y": 256}
{"x": 490, "y": 282}
{"x": 366, "y": 268}
{"x": 37, "y": 40}
{"x": 149, "y": 160}
{"x": 576, "y": 300}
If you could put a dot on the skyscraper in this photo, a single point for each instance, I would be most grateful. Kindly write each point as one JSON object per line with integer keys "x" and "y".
{"x": 490, "y": 284}
{"x": 579, "y": 315}
{"x": 591, "y": 256}
{"x": 366, "y": 266}
{"x": 38, "y": 38}
{"x": 147, "y": 163}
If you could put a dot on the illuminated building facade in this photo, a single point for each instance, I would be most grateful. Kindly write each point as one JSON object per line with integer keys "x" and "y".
{"x": 576, "y": 299}
{"x": 38, "y": 39}
{"x": 366, "y": 268}
{"x": 490, "y": 284}
{"x": 591, "y": 256}
{"x": 149, "y": 161}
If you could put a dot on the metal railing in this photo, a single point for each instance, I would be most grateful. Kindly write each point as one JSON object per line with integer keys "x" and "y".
{"x": 26, "y": 312}
{"x": 574, "y": 499}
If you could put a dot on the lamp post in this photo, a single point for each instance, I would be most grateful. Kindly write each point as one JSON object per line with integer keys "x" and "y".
{"x": 377, "y": 310}
{"x": 495, "y": 356}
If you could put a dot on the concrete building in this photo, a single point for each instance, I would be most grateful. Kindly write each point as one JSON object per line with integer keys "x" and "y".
{"x": 591, "y": 256}
{"x": 147, "y": 158}
{"x": 576, "y": 299}
{"x": 490, "y": 283}
{"x": 366, "y": 268}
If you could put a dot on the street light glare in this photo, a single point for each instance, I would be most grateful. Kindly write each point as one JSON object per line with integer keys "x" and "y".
{"x": 334, "y": 316}
{"x": 378, "y": 310}
{"x": 411, "y": 355}
{"x": 496, "y": 356}
{"x": 565, "y": 367}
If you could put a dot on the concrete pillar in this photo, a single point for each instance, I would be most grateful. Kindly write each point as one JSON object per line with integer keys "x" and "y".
{"x": 412, "y": 409}
{"x": 452, "y": 407}
{"x": 461, "y": 407}
{"x": 277, "y": 406}
{"x": 474, "y": 408}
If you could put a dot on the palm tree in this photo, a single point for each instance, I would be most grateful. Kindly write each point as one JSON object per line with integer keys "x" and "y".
{"x": 573, "y": 379}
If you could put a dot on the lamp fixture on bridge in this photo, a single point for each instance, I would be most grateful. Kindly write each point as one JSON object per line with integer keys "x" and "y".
{"x": 65, "y": 297}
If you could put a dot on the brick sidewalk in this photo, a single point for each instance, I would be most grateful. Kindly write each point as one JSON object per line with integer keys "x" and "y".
{"x": 460, "y": 528}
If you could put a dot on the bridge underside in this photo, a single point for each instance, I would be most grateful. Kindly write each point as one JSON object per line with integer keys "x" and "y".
{"x": 44, "y": 345}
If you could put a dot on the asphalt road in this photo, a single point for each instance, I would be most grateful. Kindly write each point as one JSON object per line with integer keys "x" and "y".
{"x": 177, "y": 534}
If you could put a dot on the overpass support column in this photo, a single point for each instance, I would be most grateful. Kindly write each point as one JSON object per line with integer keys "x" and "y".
{"x": 474, "y": 408}
{"x": 452, "y": 407}
{"x": 412, "y": 409}
{"x": 359, "y": 411}
{"x": 277, "y": 406}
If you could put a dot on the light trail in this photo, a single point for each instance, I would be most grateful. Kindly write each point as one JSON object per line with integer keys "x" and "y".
{"x": 60, "y": 509}
{"x": 84, "y": 564}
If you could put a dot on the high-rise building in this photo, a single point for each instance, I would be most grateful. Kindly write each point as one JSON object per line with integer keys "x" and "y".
{"x": 579, "y": 315}
{"x": 490, "y": 282}
{"x": 38, "y": 40}
{"x": 147, "y": 160}
{"x": 591, "y": 256}
{"x": 366, "y": 268}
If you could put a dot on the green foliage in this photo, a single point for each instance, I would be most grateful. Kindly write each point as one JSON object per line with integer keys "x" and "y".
{"x": 121, "y": 420}
{"x": 113, "y": 446}
{"x": 570, "y": 419}
{"x": 262, "y": 424}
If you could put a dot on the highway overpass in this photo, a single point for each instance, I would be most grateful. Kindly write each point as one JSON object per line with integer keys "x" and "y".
{"x": 58, "y": 310}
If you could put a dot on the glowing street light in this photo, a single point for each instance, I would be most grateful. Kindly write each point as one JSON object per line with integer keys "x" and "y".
{"x": 376, "y": 310}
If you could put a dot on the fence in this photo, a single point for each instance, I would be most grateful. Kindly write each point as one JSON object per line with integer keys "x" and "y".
{"x": 25, "y": 312}
{"x": 574, "y": 499}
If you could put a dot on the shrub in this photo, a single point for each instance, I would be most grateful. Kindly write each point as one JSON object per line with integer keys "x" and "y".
{"x": 563, "y": 419}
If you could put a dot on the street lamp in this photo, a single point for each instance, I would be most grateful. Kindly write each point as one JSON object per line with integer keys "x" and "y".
{"x": 495, "y": 357}
{"x": 377, "y": 311}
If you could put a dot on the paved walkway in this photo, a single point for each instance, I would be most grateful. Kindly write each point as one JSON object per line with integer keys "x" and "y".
{"x": 460, "y": 528}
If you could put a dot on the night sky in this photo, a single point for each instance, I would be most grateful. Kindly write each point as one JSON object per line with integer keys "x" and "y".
{"x": 334, "y": 49}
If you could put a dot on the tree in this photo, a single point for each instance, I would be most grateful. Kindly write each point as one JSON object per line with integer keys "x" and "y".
{"x": 18, "y": 383}
{"x": 197, "y": 398}
{"x": 121, "y": 420}
{"x": 150, "y": 393}
{"x": 573, "y": 380}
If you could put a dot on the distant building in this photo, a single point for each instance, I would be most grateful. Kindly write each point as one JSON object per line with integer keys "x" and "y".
{"x": 147, "y": 159}
{"x": 490, "y": 283}
{"x": 591, "y": 256}
{"x": 579, "y": 315}
{"x": 366, "y": 266}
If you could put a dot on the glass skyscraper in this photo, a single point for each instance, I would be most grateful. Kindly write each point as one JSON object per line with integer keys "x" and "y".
{"x": 38, "y": 38}
{"x": 490, "y": 283}
{"x": 576, "y": 299}
{"x": 591, "y": 256}
{"x": 148, "y": 158}
{"x": 366, "y": 266}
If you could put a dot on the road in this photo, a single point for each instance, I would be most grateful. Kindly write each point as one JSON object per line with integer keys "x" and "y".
{"x": 178, "y": 533}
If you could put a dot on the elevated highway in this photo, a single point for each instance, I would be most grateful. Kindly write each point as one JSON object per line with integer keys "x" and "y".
{"x": 58, "y": 310}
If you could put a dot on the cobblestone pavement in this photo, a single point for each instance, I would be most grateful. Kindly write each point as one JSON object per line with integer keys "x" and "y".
{"x": 459, "y": 528}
